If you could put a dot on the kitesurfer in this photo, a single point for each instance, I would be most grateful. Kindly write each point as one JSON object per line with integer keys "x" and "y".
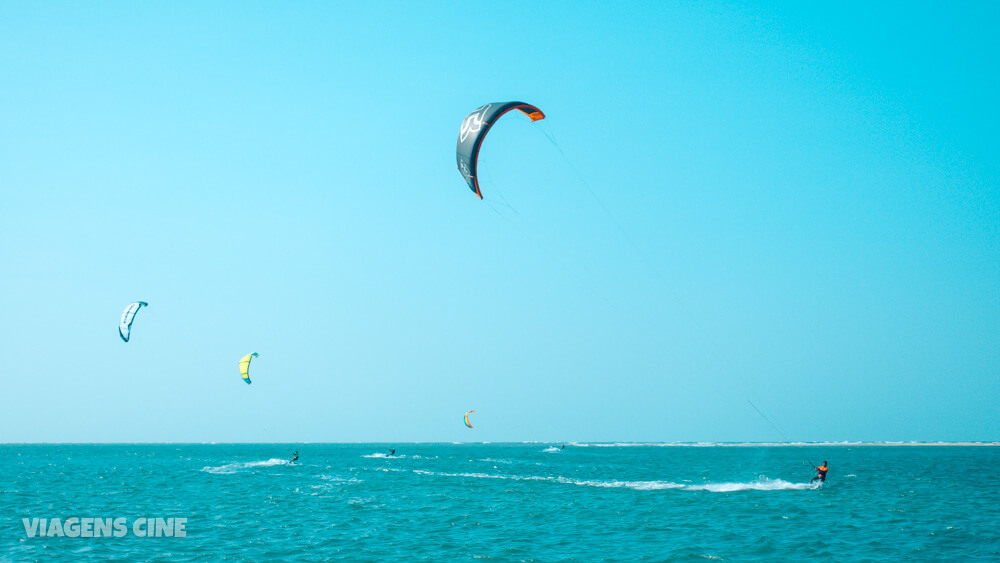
{"x": 295, "y": 456}
{"x": 820, "y": 473}
{"x": 393, "y": 452}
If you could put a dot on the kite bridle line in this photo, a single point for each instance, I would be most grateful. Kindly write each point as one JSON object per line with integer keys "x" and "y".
{"x": 775, "y": 426}
{"x": 543, "y": 128}
{"x": 535, "y": 241}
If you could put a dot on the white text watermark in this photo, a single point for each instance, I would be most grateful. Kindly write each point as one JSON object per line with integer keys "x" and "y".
{"x": 105, "y": 527}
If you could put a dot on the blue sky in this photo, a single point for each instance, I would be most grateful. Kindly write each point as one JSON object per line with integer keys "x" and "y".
{"x": 791, "y": 204}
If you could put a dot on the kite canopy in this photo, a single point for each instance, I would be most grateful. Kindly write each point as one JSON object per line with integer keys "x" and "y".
{"x": 125, "y": 326}
{"x": 245, "y": 366}
{"x": 474, "y": 129}
{"x": 467, "y": 418}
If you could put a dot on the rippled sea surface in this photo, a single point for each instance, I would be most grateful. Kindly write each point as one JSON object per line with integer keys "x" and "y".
{"x": 502, "y": 502}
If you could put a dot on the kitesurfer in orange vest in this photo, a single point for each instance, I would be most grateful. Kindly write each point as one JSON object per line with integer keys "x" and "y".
{"x": 820, "y": 473}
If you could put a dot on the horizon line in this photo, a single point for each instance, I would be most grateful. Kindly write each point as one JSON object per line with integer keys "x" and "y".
{"x": 568, "y": 443}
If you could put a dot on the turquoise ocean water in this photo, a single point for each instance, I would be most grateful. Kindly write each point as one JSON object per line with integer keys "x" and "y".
{"x": 503, "y": 502}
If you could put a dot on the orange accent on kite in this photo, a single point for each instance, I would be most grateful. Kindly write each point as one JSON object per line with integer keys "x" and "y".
{"x": 473, "y": 131}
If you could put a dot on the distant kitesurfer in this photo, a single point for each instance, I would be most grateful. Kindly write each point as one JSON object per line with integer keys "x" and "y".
{"x": 820, "y": 473}
{"x": 393, "y": 452}
{"x": 295, "y": 456}
{"x": 562, "y": 447}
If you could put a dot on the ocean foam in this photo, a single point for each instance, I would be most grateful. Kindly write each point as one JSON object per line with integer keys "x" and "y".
{"x": 237, "y": 467}
{"x": 761, "y": 484}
